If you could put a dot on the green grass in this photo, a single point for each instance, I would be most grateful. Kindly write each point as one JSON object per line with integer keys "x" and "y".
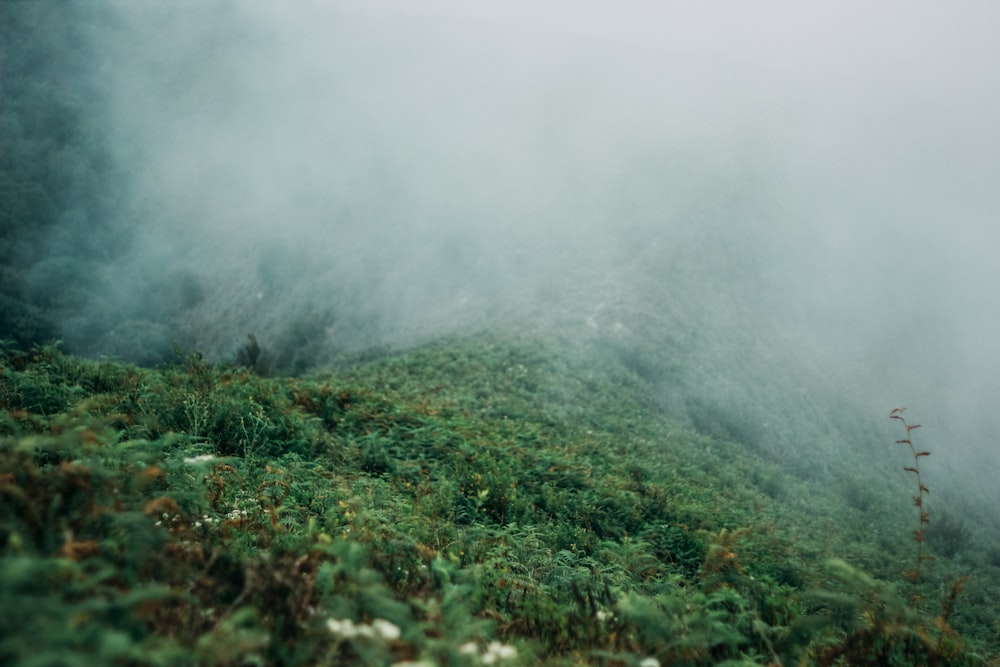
{"x": 491, "y": 498}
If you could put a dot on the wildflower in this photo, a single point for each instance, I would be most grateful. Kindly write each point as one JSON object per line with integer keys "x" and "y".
{"x": 386, "y": 629}
{"x": 504, "y": 651}
{"x": 468, "y": 648}
{"x": 497, "y": 651}
{"x": 345, "y": 628}
{"x": 649, "y": 662}
{"x": 201, "y": 458}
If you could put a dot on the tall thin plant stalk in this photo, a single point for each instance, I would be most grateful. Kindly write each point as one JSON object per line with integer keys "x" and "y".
{"x": 920, "y": 534}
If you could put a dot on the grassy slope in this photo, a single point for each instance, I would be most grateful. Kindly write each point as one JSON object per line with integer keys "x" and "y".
{"x": 485, "y": 489}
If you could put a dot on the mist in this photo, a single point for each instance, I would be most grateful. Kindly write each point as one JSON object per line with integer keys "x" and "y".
{"x": 797, "y": 195}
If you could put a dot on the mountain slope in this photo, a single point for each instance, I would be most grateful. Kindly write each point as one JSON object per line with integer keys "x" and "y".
{"x": 496, "y": 497}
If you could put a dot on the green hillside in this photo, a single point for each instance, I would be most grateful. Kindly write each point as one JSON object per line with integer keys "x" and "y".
{"x": 490, "y": 499}
{"x": 579, "y": 335}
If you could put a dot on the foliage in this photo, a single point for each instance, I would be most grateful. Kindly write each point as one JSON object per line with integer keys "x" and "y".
{"x": 66, "y": 235}
{"x": 54, "y": 215}
{"x": 476, "y": 501}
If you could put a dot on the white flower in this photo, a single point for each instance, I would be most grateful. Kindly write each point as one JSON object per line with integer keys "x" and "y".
{"x": 344, "y": 628}
{"x": 497, "y": 651}
{"x": 386, "y": 629}
{"x": 379, "y": 628}
{"x": 201, "y": 458}
{"x": 468, "y": 648}
{"x": 505, "y": 651}
{"x": 649, "y": 662}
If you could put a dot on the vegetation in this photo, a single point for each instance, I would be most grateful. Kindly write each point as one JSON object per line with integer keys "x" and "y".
{"x": 54, "y": 221}
{"x": 650, "y": 492}
{"x": 487, "y": 500}
{"x": 66, "y": 231}
{"x": 920, "y": 534}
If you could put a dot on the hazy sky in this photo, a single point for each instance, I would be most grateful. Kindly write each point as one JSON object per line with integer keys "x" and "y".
{"x": 829, "y": 170}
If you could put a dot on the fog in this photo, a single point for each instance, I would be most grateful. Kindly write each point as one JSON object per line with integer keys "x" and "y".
{"x": 804, "y": 192}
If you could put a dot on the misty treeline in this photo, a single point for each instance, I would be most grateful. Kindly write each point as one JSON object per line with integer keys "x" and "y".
{"x": 56, "y": 198}
{"x": 77, "y": 263}
{"x": 85, "y": 261}
{"x": 66, "y": 228}
{"x": 66, "y": 232}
